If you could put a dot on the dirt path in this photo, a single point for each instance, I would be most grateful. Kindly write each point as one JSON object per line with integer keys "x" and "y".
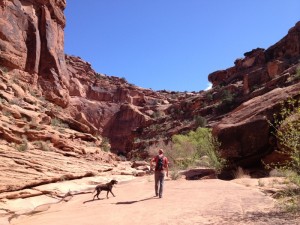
{"x": 184, "y": 202}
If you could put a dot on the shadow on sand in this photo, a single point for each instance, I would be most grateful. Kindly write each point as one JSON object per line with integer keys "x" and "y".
{"x": 93, "y": 200}
{"x": 131, "y": 202}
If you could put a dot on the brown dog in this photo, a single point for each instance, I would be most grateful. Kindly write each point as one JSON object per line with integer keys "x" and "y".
{"x": 105, "y": 187}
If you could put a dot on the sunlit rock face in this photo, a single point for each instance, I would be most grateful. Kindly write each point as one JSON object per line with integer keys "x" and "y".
{"x": 32, "y": 40}
{"x": 238, "y": 106}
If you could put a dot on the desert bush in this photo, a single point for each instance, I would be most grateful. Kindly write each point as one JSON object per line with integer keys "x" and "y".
{"x": 23, "y": 146}
{"x": 160, "y": 144}
{"x": 105, "y": 145}
{"x": 297, "y": 75}
{"x": 240, "y": 173}
{"x": 45, "y": 146}
{"x": 276, "y": 173}
{"x": 193, "y": 149}
{"x": 289, "y": 199}
{"x": 227, "y": 97}
{"x": 3, "y": 69}
{"x": 287, "y": 132}
{"x": 200, "y": 121}
{"x": 261, "y": 183}
{"x": 209, "y": 96}
{"x": 174, "y": 174}
{"x": 189, "y": 149}
{"x": 6, "y": 113}
{"x": 58, "y": 123}
{"x": 158, "y": 114}
{"x": 16, "y": 101}
{"x": 98, "y": 75}
{"x": 2, "y": 100}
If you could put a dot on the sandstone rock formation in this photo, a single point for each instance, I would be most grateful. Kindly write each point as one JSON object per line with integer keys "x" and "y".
{"x": 32, "y": 40}
{"x": 39, "y": 143}
{"x": 55, "y": 102}
{"x": 269, "y": 78}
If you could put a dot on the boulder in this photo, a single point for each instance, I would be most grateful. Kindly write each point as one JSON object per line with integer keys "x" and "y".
{"x": 199, "y": 173}
{"x": 244, "y": 133}
{"x": 139, "y": 164}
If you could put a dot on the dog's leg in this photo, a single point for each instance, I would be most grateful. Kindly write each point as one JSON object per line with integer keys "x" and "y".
{"x": 94, "y": 196}
{"x": 107, "y": 194}
{"x": 112, "y": 193}
{"x": 97, "y": 194}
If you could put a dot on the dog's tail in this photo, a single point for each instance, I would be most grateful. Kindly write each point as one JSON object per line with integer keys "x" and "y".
{"x": 94, "y": 190}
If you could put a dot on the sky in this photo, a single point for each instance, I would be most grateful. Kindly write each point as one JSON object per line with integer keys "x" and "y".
{"x": 173, "y": 44}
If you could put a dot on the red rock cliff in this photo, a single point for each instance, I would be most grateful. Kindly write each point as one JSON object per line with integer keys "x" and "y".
{"x": 32, "y": 40}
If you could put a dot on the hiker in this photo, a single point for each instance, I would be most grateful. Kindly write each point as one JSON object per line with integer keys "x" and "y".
{"x": 161, "y": 165}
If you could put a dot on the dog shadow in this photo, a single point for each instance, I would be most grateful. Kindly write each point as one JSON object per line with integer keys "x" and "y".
{"x": 131, "y": 202}
{"x": 92, "y": 200}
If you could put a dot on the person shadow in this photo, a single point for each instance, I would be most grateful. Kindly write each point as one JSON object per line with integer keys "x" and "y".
{"x": 122, "y": 203}
{"x": 131, "y": 202}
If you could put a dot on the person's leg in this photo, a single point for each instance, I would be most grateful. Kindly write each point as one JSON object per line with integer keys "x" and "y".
{"x": 156, "y": 180}
{"x": 161, "y": 182}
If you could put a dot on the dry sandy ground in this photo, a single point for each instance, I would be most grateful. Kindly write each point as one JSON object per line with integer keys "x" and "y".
{"x": 184, "y": 202}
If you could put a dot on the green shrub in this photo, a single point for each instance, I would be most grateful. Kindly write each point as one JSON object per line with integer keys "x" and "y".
{"x": 227, "y": 97}
{"x": 209, "y": 96}
{"x": 98, "y": 75}
{"x": 287, "y": 131}
{"x": 189, "y": 149}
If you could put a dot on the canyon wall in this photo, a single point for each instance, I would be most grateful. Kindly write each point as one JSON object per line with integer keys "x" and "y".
{"x": 32, "y": 40}
{"x": 238, "y": 107}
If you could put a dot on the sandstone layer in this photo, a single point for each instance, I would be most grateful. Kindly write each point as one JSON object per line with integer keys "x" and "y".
{"x": 56, "y": 108}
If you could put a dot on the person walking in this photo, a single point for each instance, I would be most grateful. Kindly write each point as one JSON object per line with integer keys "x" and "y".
{"x": 161, "y": 169}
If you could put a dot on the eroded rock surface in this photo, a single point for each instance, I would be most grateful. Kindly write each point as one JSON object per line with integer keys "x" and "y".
{"x": 55, "y": 109}
{"x": 32, "y": 40}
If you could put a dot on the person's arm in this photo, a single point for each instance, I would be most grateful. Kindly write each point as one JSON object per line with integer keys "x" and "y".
{"x": 151, "y": 163}
{"x": 167, "y": 167}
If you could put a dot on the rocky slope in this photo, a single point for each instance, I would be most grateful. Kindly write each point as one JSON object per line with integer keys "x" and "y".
{"x": 56, "y": 107}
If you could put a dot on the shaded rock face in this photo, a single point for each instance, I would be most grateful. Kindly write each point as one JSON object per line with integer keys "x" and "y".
{"x": 245, "y": 134}
{"x": 32, "y": 40}
{"x": 268, "y": 80}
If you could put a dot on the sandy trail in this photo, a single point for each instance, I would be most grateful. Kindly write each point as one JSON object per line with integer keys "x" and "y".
{"x": 184, "y": 202}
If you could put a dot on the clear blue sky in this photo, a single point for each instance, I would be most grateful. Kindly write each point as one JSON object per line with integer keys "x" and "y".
{"x": 173, "y": 44}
